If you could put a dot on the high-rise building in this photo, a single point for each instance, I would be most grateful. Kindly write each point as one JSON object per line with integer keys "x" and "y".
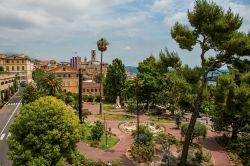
{"x": 75, "y": 62}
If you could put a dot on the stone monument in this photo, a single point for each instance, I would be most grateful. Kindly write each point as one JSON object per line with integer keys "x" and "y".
{"x": 118, "y": 104}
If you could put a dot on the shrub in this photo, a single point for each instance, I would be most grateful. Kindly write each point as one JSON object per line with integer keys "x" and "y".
{"x": 142, "y": 152}
{"x": 131, "y": 105}
{"x": 165, "y": 140}
{"x": 145, "y": 135}
{"x": 199, "y": 130}
{"x": 97, "y": 131}
{"x": 178, "y": 121}
{"x": 242, "y": 147}
{"x": 91, "y": 98}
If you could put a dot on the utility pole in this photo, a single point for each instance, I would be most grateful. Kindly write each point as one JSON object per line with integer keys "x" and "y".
{"x": 80, "y": 96}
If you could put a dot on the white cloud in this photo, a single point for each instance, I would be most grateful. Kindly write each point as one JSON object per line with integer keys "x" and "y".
{"x": 161, "y": 5}
{"x": 181, "y": 17}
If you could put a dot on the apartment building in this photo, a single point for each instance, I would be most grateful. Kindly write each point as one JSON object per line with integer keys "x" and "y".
{"x": 69, "y": 77}
{"x": 20, "y": 65}
{"x": 6, "y": 86}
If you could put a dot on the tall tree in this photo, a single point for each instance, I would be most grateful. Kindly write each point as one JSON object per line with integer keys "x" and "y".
{"x": 38, "y": 75}
{"x": 44, "y": 132}
{"x": 115, "y": 80}
{"x": 102, "y": 46}
{"x": 51, "y": 85}
{"x": 232, "y": 103}
{"x": 30, "y": 94}
{"x": 212, "y": 29}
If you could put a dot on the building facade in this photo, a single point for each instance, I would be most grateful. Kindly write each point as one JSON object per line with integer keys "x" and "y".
{"x": 92, "y": 68}
{"x": 6, "y": 86}
{"x": 69, "y": 77}
{"x": 20, "y": 65}
{"x": 90, "y": 88}
{"x": 75, "y": 62}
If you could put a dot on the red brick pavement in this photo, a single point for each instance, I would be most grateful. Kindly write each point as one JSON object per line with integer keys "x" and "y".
{"x": 119, "y": 150}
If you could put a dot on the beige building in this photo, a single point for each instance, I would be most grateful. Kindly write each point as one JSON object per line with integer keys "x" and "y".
{"x": 20, "y": 65}
{"x": 90, "y": 88}
{"x": 93, "y": 67}
{"x": 6, "y": 86}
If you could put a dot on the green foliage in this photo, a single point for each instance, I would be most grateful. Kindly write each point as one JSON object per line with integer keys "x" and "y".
{"x": 98, "y": 78}
{"x": 212, "y": 28}
{"x": 232, "y": 103}
{"x": 199, "y": 130}
{"x": 242, "y": 148}
{"x": 97, "y": 131}
{"x": 184, "y": 36}
{"x": 102, "y": 44}
{"x": 142, "y": 152}
{"x": 178, "y": 120}
{"x": 51, "y": 85}
{"x": 115, "y": 80}
{"x": 145, "y": 135}
{"x": 38, "y": 75}
{"x": 30, "y": 94}
{"x": 45, "y": 131}
{"x": 165, "y": 140}
{"x": 1, "y": 69}
{"x": 131, "y": 105}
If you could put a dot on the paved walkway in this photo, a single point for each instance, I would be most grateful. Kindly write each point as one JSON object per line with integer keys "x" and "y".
{"x": 119, "y": 150}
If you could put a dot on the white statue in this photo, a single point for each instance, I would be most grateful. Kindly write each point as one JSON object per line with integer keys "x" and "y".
{"x": 118, "y": 104}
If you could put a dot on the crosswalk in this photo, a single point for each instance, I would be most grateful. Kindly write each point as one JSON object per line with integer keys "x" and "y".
{"x": 4, "y": 136}
{"x": 12, "y": 103}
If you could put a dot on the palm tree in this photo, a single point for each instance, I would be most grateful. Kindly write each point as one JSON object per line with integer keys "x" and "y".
{"x": 102, "y": 46}
{"x": 51, "y": 85}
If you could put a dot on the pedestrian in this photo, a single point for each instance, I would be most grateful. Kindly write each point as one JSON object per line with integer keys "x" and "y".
{"x": 109, "y": 163}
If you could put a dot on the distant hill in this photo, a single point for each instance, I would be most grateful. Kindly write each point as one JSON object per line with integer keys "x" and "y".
{"x": 132, "y": 69}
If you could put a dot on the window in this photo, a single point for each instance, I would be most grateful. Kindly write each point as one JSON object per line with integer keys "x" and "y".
{"x": 69, "y": 75}
{"x": 17, "y": 68}
{"x": 7, "y": 61}
{"x": 22, "y": 61}
{"x": 23, "y": 68}
{"x": 92, "y": 90}
{"x": 76, "y": 75}
{"x": 7, "y": 68}
{"x": 69, "y": 83}
{"x": 64, "y": 69}
{"x": 64, "y": 75}
{"x": 95, "y": 90}
{"x": 87, "y": 90}
{"x": 17, "y": 61}
{"x": 12, "y": 61}
{"x": 13, "y": 68}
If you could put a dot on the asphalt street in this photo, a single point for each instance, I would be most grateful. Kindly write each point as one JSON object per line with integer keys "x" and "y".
{"x": 7, "y": 115}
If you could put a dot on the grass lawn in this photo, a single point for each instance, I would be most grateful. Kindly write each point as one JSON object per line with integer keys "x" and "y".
{"x": 112, "y": 140}
{"x": 108, "y": 106}
{"x": 119, "y": 117}
{"x": 160, "y": 120}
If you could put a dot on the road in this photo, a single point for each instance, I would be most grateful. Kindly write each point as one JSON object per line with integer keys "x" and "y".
{"x": 7, "y": 115}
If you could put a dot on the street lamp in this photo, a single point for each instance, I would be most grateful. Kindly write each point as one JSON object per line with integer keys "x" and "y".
{"x": 80, "y": 96}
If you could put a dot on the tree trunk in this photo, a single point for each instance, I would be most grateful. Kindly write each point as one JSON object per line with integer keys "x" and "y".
{"x": 189, "y": 133}
{"x": 101, "y": 88}
{"x": 234, "y": 135}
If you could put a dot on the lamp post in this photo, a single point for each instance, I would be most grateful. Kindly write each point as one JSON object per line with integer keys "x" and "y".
{"x": 80, "y": 96}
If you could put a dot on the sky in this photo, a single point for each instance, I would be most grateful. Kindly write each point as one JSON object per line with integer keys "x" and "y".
{"x": 135, "y": 29}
